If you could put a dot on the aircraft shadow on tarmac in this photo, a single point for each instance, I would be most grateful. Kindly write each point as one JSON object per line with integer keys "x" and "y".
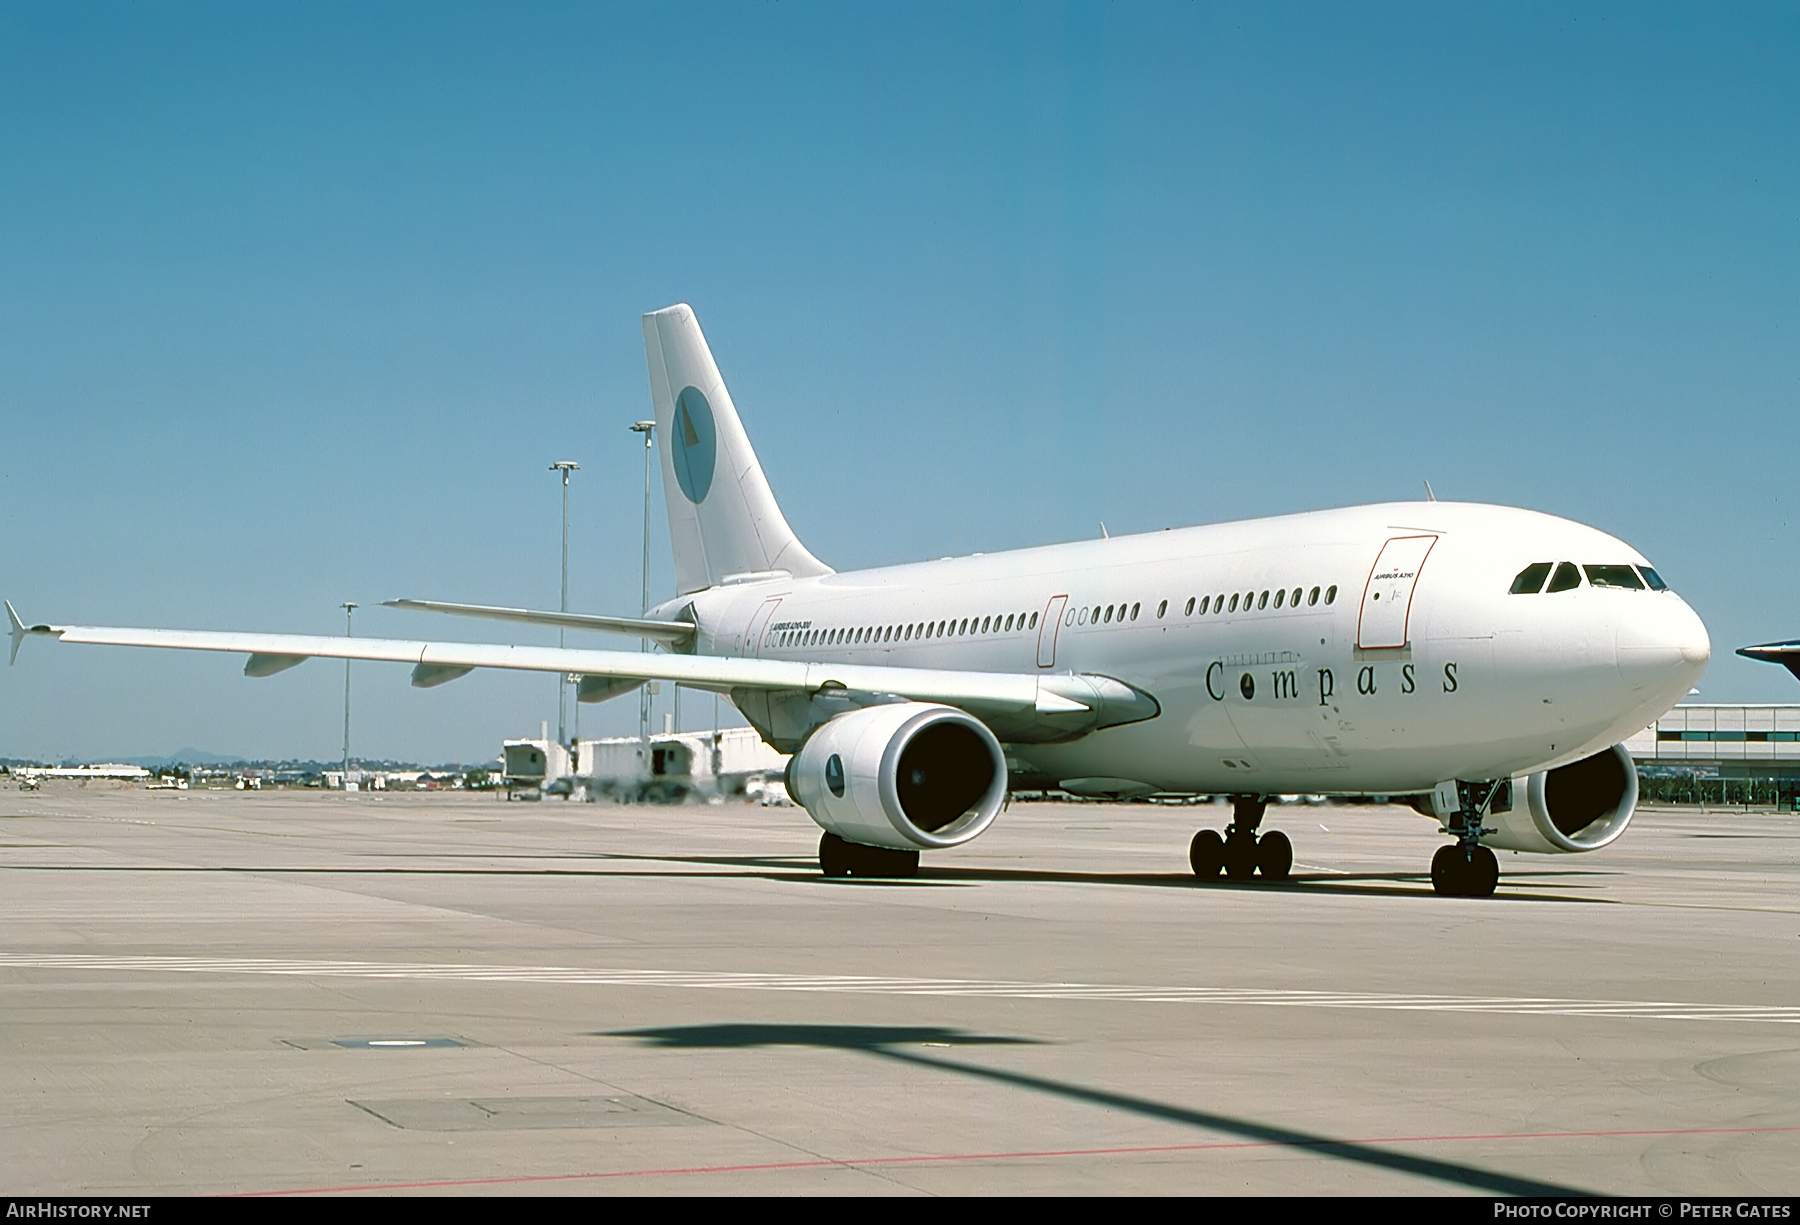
{"x": 1367, "y": 884}
{"x": 805, "y": 871}
{"x": 899, "y": 1043}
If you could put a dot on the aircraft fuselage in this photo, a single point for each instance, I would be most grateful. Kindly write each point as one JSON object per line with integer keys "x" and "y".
{"x": 1305, "y": 681}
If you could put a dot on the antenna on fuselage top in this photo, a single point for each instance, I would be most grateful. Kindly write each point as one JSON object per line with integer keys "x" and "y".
{"x": 1429, "y": 496}
{"x": 1104, "y": 535}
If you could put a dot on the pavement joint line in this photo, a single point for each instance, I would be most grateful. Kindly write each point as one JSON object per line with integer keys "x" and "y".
{"x": 871, "y": 985}
{"x": 1144, "y": 1150}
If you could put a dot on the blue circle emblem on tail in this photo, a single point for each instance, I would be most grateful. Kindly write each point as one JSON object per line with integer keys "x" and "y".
{"x": 693, "y": 445}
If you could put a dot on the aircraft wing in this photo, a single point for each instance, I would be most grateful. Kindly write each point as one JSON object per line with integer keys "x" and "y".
{"x": 674, "y": 633}
{"x": 1071, "y": 703}
{"x": 1787, "y": 654}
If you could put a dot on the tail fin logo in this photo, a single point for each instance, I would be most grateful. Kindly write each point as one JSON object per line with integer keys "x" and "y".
{"x": 694, "y": 445}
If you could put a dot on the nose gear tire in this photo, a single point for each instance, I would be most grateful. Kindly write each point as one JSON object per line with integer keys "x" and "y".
{"x": 1455, "y": 872}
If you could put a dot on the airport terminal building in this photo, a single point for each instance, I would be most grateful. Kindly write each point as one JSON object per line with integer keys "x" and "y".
{"x": 1734, "y": 741}
{"x": 1753, "y": 751}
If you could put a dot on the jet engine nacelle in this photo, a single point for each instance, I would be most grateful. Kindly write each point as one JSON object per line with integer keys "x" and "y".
{"x": 1578, "y": 807}
{"x": 907, "y": 776}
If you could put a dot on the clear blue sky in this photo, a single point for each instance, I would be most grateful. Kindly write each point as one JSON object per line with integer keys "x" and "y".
{"x": 299, "y": 301}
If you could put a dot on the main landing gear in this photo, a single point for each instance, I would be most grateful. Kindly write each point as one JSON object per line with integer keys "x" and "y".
{"x": 1240, "y": 853}
{"x": 1467, "y": 869}
{"x": 840, "y": 858}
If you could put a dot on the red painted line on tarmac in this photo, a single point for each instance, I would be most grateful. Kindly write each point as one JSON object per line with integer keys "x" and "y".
{"x": 948, "y": 1158}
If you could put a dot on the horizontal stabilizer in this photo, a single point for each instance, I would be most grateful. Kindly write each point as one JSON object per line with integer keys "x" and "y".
{"x": 674, "y": 633}
{"x": 16, "y": 628}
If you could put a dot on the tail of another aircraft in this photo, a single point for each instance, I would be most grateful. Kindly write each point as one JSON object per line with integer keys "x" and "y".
{"x": 723, "y": 520}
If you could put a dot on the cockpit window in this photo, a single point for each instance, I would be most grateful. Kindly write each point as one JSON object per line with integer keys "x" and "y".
{"x": 1614, "y": 576}
{"x": 1531, "y": 578}
{"x": 1653, "y": 578}
{"x": 1566, "y": 578}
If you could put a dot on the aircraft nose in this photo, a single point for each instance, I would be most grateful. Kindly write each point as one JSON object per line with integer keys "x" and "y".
{"x": 1663, "y": 644}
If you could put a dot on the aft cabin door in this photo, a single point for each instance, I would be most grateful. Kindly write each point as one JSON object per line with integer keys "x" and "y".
{"x": 1387, "y": 599}
{"x": 759, "y": 623}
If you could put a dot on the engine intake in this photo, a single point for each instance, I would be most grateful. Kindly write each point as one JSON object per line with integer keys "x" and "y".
{"x": 1578, "y": 807}
{"x": 907, "y": 776}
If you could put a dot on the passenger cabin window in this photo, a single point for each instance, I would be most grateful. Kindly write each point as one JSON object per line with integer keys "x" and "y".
{"x": 1530, "y": 580}
{"x": 1033, "y": 624}
{"x": 1566, "y": 578}
{"x": 1331, "y": 593}
{"x": 1189, "y": 610}
{"x": 1614, "y": 576}
{"x": 1653, "y": 578}
{"x": 1203, "y": 602}
{"x": 1161, "y": 609}
{"x": 1264, "y": 602}
{"x": 1312, "y": 597}
{"x": 1134, "y": 612}
{"x": 1234, "y": 601}
{"x": 1280, "y": 596}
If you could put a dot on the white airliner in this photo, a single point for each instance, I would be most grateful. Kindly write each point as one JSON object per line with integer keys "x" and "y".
{"x": 1483, "y": 661}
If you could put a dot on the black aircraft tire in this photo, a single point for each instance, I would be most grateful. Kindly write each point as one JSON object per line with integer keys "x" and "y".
{"x": 1206, "y": 854}
{"x": 1483, "y": 873}
{"x": 1447, "y": 871}
{"x": 1274, "y": 855}
{"x": 835, "y": 856}
{"x": 838, "y": 858}
{"x": 1240, "y": 860}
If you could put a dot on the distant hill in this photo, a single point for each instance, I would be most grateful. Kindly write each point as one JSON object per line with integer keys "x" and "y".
{"x": 186, "y": 757}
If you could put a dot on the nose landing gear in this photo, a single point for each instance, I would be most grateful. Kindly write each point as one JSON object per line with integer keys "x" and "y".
{"x": 1467, "y": 869}
{"x": 1458, "y": 871}
{"x": 1240, "y": 853}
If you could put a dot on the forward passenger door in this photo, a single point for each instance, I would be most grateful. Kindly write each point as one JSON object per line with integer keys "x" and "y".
{"x": 1387, "y": 597}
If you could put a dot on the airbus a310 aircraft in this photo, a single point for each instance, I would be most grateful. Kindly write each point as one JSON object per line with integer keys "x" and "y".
{"x": 1482, "y": 660}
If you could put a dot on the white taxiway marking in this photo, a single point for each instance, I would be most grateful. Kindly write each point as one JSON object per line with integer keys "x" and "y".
{"x": 695, "y": 980}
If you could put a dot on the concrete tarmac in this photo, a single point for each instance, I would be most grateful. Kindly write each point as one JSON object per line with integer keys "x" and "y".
{"x": 222, "y": 992}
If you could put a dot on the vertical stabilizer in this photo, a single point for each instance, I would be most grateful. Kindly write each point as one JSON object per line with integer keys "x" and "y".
{"x": 723, "y": 520}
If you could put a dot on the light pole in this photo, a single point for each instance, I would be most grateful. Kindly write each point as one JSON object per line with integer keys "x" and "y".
{"x": 349, "y": 632}
{"x": 564, "y": 466}
{"x": 648, "y": 430}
